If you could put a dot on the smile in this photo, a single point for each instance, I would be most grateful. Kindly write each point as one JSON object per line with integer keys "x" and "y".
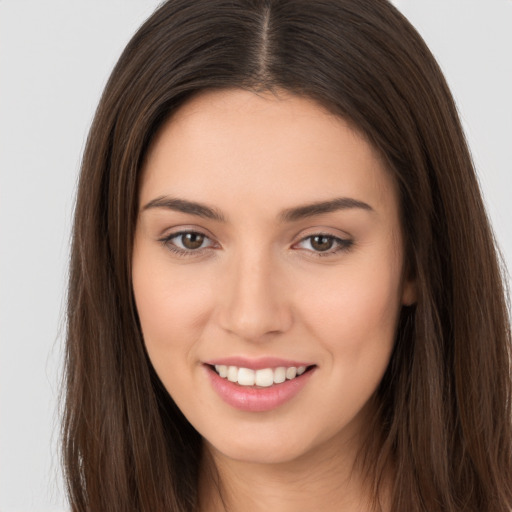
{"x": 258, "y": 390}
{"x": 264, "y": 377}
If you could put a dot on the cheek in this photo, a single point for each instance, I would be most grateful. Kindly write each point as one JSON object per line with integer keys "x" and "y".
{"x": 354, "y": 321}
{"x": 356, "y": 311}
{"x": 172, "y": 308}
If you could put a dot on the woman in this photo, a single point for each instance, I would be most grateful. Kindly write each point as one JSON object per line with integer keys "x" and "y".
{"x": 284, "y": 290}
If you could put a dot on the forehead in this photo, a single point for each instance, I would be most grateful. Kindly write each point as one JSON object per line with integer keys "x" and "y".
{"x": 259, "y": 151}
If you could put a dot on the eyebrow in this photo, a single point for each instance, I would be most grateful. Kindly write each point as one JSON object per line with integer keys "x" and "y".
{"x": 184, "y": 206}
{"x": 288, "y": 215}
{"x": 310, "y": 210}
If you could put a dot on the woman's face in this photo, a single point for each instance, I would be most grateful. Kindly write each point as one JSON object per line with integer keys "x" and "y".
{"x": 268, "y": 239}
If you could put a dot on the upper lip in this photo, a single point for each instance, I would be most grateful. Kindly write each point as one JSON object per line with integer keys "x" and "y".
{"x": 256, "y": 363}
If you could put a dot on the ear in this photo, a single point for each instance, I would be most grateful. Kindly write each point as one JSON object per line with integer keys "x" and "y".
{"x": 409, "y": 292}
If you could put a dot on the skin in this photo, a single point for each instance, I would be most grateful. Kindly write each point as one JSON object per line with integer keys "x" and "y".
{"x": 258, "y": 286}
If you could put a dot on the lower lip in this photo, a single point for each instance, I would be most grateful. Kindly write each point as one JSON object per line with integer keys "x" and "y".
{"x": 253, "y": 399}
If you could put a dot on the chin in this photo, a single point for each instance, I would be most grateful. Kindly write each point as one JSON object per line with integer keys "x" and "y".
{"x": 273, "y": 448}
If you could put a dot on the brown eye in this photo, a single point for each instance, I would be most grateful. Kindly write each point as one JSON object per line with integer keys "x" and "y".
{"x": 321, "y": 242}
{"x": 192, "y": 240}
{"x": 187, "y": 242}
{"x": 324, "y": 245}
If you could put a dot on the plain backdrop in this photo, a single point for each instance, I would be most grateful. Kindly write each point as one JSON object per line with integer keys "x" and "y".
{"x": 55, "y": 57}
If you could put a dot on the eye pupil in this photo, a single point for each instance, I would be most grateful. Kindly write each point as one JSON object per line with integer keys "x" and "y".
{"x": 192, "y": 240}
{"x": 321, "y": 242}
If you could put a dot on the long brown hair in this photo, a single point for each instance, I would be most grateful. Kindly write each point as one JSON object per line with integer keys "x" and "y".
{"x": 444, "y": 405}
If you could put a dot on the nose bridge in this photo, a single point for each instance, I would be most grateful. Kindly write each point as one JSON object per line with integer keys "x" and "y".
{"x": 255, "y": 302}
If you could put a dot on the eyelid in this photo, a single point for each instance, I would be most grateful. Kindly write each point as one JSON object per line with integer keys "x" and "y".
{"x": 341, "y": 243}
{"x": 166, "y": 240}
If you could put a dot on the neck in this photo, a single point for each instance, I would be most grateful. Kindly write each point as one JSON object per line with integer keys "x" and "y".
{"x": 325, "y": 479}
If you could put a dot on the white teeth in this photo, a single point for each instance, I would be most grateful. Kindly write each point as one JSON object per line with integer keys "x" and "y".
{"x": 291, "y": 372}
{"x": 263, "y": 378}
{"x": 246, "y": 377}
{"x": 222, "y": 370}
{"x": 233, "y": 373}
{"x": 279, "y": 375}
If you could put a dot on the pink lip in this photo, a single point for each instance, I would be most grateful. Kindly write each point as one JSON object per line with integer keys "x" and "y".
{"x": 256, "y": 363}
{"x": 254, "y": 399}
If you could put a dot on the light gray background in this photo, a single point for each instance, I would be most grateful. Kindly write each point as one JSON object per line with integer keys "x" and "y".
{"x": 55, "y": 57}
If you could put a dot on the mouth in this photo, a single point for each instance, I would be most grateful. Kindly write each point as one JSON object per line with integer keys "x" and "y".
{"x": 261, "y": 378}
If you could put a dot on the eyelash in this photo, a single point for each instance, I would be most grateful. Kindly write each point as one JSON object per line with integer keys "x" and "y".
{"x": 342, "y": 244}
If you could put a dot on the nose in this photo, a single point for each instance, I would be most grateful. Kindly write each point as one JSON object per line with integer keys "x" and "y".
{"x": 254, "y": 304}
